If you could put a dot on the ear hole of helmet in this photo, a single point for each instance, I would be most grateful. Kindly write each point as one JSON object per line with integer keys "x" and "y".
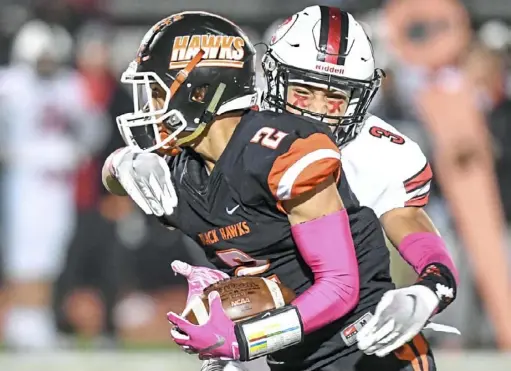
{"x": 198, "y": 94}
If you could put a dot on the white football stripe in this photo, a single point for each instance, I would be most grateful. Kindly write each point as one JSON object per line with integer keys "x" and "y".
{"x": 288, "y": 179}
{"x": 276, "y": 294}
{"x": 198, "y": 308}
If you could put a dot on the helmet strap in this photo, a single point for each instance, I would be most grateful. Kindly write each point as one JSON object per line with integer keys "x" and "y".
{"x": 183, "y": 74}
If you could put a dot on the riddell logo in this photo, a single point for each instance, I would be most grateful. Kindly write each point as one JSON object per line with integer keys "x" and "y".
{"x": 331, "y": 69}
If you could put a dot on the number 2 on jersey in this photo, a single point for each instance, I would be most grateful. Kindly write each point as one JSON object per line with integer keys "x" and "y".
{"x": 268, "y": 137}
{"x": 245, "y": 265}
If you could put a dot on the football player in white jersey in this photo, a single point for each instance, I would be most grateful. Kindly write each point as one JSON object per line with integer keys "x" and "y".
{"x": 320, "y": 64}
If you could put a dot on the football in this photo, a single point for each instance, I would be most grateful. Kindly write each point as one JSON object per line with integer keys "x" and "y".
{"x": 242, "y": 298}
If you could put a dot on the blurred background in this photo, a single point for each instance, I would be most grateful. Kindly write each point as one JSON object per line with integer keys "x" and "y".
{"x": 84, "y": 270}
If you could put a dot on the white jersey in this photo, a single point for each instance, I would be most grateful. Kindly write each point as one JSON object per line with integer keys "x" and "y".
{"x": 47, "y": 129}
{"x": 48, "y": 124}
{"x": 385, "y": 169}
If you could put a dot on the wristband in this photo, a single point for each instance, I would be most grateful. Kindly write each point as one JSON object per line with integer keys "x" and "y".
{"x": 269, "y": 332}
{"x": 440, "y": 280}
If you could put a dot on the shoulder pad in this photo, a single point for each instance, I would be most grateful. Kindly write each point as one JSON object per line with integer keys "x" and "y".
{"x": 402, "y": 172}
{"x": 290, "y": 156}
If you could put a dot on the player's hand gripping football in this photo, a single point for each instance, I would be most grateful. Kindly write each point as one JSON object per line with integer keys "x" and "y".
{"x": 400, "y": 315}
{"x": 198, "y": 278}
{"x": 146, "y": 179}
{"x": 213, "y": 339}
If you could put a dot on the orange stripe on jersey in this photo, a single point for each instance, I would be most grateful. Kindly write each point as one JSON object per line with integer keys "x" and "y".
{"x": 315, "y": 174}
{"x": 419, "y": 179}
{"x": 306, "y": 164}
{"x": 418, "y": 201}
{"x": 422, "y": 349}
{"x": 406, "y": 353}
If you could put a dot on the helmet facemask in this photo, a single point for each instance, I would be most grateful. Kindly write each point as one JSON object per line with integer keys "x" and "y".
{"x": 152, "y": 125}
{"x": 279, "y": 76}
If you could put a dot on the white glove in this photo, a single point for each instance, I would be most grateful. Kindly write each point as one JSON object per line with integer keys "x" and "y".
{"x": 146, "y": 179}
{"x": 400, "y": 315}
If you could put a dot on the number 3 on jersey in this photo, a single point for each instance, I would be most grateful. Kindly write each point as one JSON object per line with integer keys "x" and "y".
{"x": 378, "y": 132}
{"x": 268, "y": 137}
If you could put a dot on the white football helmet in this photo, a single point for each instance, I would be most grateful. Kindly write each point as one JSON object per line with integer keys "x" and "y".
{"x": 327, "y": 48}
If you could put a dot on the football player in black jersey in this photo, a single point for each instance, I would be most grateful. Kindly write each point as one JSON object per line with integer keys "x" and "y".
{"x": 258, "y": 191}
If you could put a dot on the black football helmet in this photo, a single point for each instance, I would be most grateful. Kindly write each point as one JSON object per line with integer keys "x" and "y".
{"x": 199, "y": 65}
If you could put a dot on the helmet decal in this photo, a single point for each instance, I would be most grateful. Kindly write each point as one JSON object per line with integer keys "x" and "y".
{"x": 219, "y": 51}
{"x": 283, "y": 28}
{"x": 332, "y": 43}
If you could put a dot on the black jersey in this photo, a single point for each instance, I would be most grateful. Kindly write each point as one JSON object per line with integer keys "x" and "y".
{"x": 235, "y": 212}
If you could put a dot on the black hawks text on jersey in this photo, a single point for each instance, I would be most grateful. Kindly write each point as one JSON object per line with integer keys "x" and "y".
{"x": 234, "y": 213}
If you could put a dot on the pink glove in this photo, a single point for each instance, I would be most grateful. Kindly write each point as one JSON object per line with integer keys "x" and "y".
{"x": 214, "y": 339}
{"x": 198, "y": 277}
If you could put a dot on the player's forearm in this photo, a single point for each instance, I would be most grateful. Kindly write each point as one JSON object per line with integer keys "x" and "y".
{"x": 427, "y": 254}
{"x": 327, "y": 247}
{"x": 421, "y": 249}
{"x": 419, "y": 243}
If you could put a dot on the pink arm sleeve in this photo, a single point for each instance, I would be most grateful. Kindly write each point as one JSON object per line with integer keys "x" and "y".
{"x": 327, "y": 247}
{"x": 421, "y": 249}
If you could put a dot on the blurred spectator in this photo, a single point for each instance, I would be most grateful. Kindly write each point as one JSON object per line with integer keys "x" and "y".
{"x": 70, "y": 14}
{"x": 92, "y": 275}
{"x": 48, "y": 130}
{"x": 500, "y": 127}
{"x": 118, "y": 263}
{"x": 487, "y": 69}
